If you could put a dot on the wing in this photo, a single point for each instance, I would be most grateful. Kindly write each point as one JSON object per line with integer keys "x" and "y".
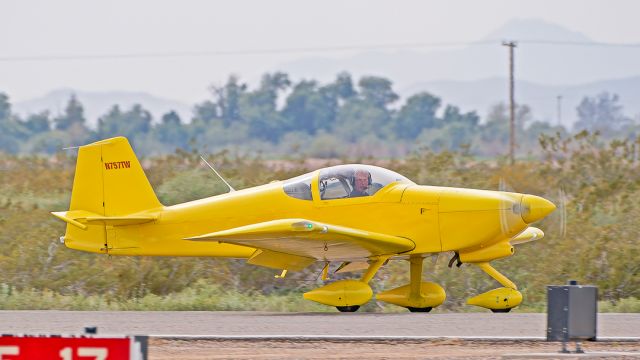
{"x": 295, "y": 240}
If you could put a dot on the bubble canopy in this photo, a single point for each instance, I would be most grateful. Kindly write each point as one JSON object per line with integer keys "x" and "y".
{"x": 343, "y": 181}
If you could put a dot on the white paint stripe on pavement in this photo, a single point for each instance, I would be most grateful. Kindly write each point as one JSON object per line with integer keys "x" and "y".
{"x": 372, "y": 338}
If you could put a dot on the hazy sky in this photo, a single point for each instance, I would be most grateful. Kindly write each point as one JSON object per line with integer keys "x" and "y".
{"x": 34, "y": 28}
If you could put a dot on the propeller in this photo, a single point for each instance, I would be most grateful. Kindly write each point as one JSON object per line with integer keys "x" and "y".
{"x": 504, "y": 187}
{"x": 517, "y": 208}
{"x": 557, "y": 219}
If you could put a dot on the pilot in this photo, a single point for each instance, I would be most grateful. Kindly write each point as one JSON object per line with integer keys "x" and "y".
{"x": 361, "y": 182}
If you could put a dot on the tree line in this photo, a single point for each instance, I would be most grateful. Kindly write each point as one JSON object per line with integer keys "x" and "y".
{"x": 280, "y": 117}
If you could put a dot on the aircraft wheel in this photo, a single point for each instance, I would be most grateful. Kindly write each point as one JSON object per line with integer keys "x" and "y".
{"x": 417, "y": 309}
{"x": 501, "y": 310}
{"x": 351, "y": 308}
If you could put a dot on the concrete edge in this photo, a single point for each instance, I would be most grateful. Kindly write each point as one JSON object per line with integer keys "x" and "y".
{"x": 348, "y": 338}
{"x": 590, "y": 354}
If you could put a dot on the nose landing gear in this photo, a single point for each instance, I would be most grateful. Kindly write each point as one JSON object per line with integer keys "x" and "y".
{"x": 500, "y": 300}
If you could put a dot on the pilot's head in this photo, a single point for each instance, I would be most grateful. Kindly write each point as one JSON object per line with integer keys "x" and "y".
{"x": 361, "y": 181}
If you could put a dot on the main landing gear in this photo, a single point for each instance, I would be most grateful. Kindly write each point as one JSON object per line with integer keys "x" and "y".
{"x": 418, "y": 295}
{"x": 350, "y": 308}
{"x": 347, "y": 295}
{"x": 415, "y": 309}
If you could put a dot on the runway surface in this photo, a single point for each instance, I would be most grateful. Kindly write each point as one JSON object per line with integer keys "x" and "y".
{"x": 162, "y": 349}
{"x": 183, "y": 323}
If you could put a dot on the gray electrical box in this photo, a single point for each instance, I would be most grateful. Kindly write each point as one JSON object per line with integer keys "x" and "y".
{"x": 571, "y": 312}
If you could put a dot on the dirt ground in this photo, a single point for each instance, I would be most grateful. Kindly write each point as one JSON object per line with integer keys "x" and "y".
{"x": 432, "y": 349}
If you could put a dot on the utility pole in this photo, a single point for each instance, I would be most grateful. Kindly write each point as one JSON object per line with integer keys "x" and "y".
{"x": 512, "y": 111}
{"x": 559, "y": 110}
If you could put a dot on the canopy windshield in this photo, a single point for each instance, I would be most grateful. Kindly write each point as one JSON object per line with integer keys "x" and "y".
{"x": 299, "y": 187}
{"x": 349, "y": 181}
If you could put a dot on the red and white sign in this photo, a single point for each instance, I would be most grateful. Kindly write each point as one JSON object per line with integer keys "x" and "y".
{"x": 69, "y": 348}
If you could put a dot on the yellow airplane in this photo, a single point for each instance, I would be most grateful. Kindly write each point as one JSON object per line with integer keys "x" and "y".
{"x": 358, "y": 215}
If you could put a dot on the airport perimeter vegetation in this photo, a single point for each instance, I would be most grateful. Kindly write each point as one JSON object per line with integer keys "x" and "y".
{"x": 598, "y": 178}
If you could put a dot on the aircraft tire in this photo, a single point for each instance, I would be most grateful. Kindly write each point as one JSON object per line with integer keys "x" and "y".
{"x": 501, "y": 310}
{"x": 351, "y": 308}
{"x": 417, "y": 309}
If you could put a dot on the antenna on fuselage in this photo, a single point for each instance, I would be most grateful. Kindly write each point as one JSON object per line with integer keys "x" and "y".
{"x": 214, "y": 170}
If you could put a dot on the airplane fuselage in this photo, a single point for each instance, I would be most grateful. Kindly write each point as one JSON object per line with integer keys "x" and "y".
{"x": 436, "y": 219}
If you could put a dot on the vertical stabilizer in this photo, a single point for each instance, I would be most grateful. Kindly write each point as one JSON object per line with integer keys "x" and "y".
{"x": 110, "y": 181}
{"x": 109, "y": 189}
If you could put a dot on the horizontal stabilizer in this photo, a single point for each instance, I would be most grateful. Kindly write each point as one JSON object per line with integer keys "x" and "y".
{"x": 530, "y": 234}
{"x": 82, "y": 218}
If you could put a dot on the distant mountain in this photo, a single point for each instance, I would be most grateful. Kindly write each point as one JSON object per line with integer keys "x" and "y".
{"x": 468, "y": 76}
{"x": 480, "y": 95}
{"x": 97, "y": 104}
{"x": 534, "y": 29}
{"x": 539, "y": 63}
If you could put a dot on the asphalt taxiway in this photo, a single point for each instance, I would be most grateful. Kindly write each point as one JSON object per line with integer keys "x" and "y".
{"x": 243, "y": 324}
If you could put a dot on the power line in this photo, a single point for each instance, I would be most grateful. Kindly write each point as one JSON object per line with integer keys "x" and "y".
{"x": 170, "y": 54}
{"x": 343, "y": 48}
{"x": 579, "y": 43}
